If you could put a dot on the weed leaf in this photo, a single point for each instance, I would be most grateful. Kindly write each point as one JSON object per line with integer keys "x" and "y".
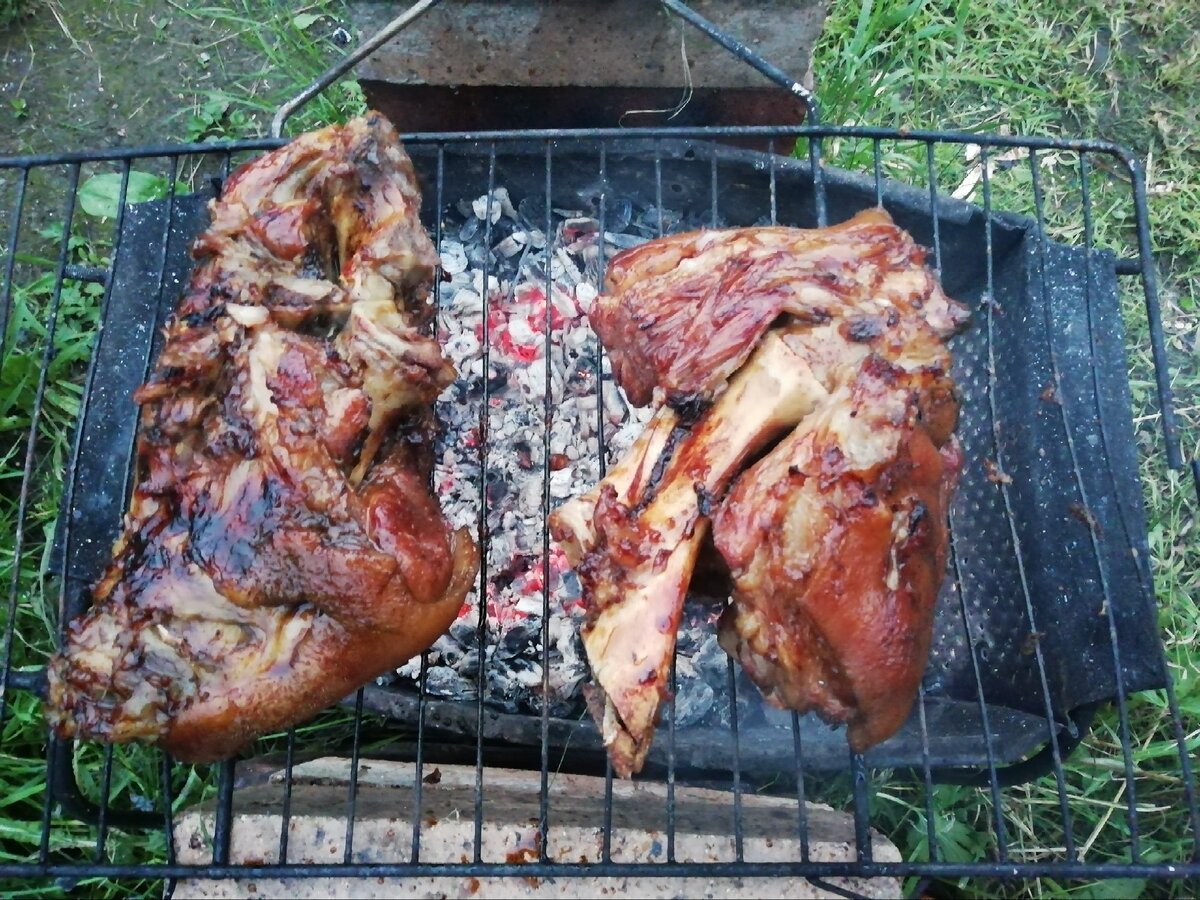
{"x": 100, "y": 195}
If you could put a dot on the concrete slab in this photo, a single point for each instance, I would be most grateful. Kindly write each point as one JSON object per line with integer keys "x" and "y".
{"x": 617, "y": 43}
{"x": 383, "y": 830}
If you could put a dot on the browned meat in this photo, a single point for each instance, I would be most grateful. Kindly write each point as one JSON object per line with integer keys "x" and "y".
{"x": 282, "y": 545}
{"x": 841, "y": 330}
{"x": 837, "y": 543}
{"x": 635, "y": 537}
{"x": 682, "y": 313}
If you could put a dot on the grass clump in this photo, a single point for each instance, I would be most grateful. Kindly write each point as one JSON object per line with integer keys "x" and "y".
{"x": 12, "y": 10}
{"x": 1111, "y": 70}
{"x": 290, "y": 47}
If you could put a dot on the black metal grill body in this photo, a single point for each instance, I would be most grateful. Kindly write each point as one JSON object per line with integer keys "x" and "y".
{"x": 1043, "y": 615}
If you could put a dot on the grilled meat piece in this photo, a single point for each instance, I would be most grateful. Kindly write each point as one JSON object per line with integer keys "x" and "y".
{"x": 837, "y": 543}
{"x": 634, "y": 538}
{"x": 682, "y": 313}
{"x": 765, "y": 328}
{"x": 282, "y": 545}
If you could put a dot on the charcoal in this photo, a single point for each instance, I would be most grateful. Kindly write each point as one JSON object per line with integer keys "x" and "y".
{"x": 693, "y": 702}
{"x": 441, "y": 681}
{"x": 515, "y": 301}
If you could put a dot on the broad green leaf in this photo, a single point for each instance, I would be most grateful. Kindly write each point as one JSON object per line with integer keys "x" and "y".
{"x": 304, "y": 21}
{"x": 1115, "y": 888}
{"x": 101, "y": 194}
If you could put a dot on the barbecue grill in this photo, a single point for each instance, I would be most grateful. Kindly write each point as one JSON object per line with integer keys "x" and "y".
{"x": 1047, "y": 616}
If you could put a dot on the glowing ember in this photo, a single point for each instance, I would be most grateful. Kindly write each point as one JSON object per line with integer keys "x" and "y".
{"x": 526, "y": 273}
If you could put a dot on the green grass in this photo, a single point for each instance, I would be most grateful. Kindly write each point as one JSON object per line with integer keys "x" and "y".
{"x": 297, "y": 40}
{"x": 13, "y": 10}
{"x": 1121, "y": 70}
{"x": 1099, "y": 69}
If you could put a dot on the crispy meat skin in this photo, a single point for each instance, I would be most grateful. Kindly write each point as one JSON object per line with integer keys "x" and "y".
{"x": 837, "y": 543}
{"x": 855, "y": 327}
{"x": 282, "y": 546}
{"x": 682, "y": 313}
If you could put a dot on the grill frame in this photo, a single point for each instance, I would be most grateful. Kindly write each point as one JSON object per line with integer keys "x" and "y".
{"x": 58, "y": 762}
{"x": 65, "y": 792}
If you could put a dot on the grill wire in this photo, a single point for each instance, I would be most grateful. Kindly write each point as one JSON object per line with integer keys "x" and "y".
{"x": 66, "y": 797}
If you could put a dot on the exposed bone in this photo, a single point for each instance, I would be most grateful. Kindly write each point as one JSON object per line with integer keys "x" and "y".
{"x": 572, "y": 522}
{"x": 638, "y": 546}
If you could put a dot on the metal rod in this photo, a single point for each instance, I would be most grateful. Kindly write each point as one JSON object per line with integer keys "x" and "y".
{"x": 930, "y": 819}
{"x": 926, "y": 772}
{"x": 748, "y": 56}
{"x": 92, "y": 274}
{"x": 223, "y": 826}
{"x": 818, "y": 177}
{"x": 801, "y": 802}
{"x": 352, "y": 788}
{"x": 985, "y": 725}
{"x": 731, "y": 672}
{"x": 674, "y": 677}
{"x": 105, "y": 789}
{"x": 33, "y": 680}
{"x": 1162, "y": 373}
{"x": 422, "y": 682}
{"x": 54, "y": 748}
{"x": 739, "y": 840}
{"x": 285, "y": 815}
{"x": 1118, "y": 667}
{"x": 484, "y": 533}
{"x": 547, "y": 424}
{"x": 342, "y": 66}
{"x": 419, "y": 764}
{"x": 933, "y": 208}
{"x": 674, "y": 683}
{"x": 602, "y": 451}
{"x": 165, "y": 772}
{"x": 1074, "y": 870}
{"x": 862, "y": 807}
{"x": 543, "y": 134}
{"x": 877, "y": 160}
{"x": 772, "y": 183}
{"x": 14, "y": 236}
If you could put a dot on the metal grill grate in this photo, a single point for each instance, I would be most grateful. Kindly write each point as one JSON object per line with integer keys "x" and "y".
{"x": 72, "y": 771}
{"x": 51, "y": 440}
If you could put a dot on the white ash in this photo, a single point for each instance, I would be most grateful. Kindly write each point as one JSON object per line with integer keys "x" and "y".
{"x": 517, "y": 285}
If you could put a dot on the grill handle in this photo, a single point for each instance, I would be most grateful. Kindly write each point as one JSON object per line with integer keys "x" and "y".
{"x": 419, "y": 8}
